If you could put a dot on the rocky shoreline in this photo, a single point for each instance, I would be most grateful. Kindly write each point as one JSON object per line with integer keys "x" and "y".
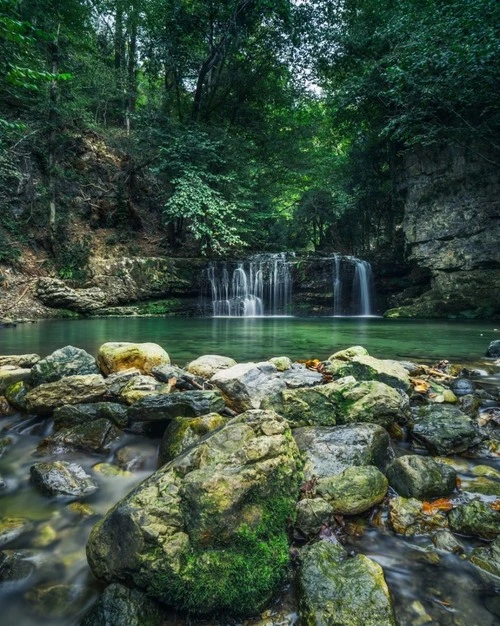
{"x": 264, "y": 473}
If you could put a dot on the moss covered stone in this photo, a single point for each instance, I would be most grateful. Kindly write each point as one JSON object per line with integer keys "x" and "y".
{"x": 340, "y": 589}
{"x": 407, "y": 517}
{"x": 365, "y": 367}
{"x": 67, "y": 361}
{"x": 420, "y": 477}
{"x": 16, "y": 396}
{"x": 475, "y": 518}
{"x": 117, "y": 356}
{"x": 208, "y": 531}
{"x": 207, "y": 365}
{"x": 9, "y": 375}
{"x": 355, "y": 490}
{"x": 45, "y": 398}
{"x": 488, "y": 557}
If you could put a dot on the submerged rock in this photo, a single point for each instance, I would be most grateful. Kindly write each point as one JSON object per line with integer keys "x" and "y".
{"x": 57, "y": 601}
{"x": 209, "y": 364}
{"x": 116, "y": 356}
{"x": 207, "y": 532}
{"x": 355, "y": 490}
{"x": 244, "y": 386}
{"x": 414, "y": 476}
{"x": 364, "y": 367}
{"x": 12, "y": 528}
{"x": 164, "y": 407}
{"x": 120, "y": 606}
{"x": 329, "y": 451}
{"x": 445, "y": 430}
{"x": 488, "y": 557}
{"x": 407, "y": 518}
{"x": 339, "y": 589}
{"x": 97, "y": 436}
{"x": 61, "y": 478}
{"x": 19, "y": 565}
{"x": 42, "y": 400}
{"x": 68, "y": 361}
{"x": 184, "y": 432}
{"x": 475, "y": 518}
{"x": 341, "y": 402}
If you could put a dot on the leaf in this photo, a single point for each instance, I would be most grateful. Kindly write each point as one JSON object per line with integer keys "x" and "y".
{"x": 312, "y": 364}
{"x": 442, "y": 504}
{"x": 495, "y": 505}
{"x": 420, "y": 385}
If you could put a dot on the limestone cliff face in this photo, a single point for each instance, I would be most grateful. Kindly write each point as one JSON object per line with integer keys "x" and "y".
{"x": 452, "y": 228}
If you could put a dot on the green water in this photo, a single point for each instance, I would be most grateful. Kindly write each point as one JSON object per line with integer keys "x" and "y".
{"x": 260, "y": 338}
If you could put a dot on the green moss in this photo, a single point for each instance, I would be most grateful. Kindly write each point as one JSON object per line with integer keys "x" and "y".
{"x": 158, "y": 307}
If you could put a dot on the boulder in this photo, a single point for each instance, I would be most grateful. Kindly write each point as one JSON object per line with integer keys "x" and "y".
{"x": 244, "y": 386}
{"x": 141, "y": 386}
{"x": 337, "y": 588}
{"x": 76, "y": 414}
{"x": 414, "y": 476}
{"x": 488, "y": 557}
{"x": 54, "y": 293}
{"x": 135, "y": 457}
{"x": 281, "y": 363}
{"x": 115, "y": 383}
{"x": 311, "y": 514}
{"x": 493, "y": 350}
{"x": 10, "y": 374}
{"x": 447, "y": 542}
{"x": 355, "y": 490}
{"x": 349, "y": 353}
{"x": 67, "y": 361}
{"x": 444, "y": 430}
{"x": 329, "y": 451}
{"x": 16, "y": 396}
{"x": 407, "y": 518}
{"x": 182, "y": 432}
{"x": 19, "y": 565}
{"x": 364, "y": 367}
{"x": 96, "y": 437}
{"x": 19, "y": 360}
{"x": 117, "y": 356}
{"x": 120, "y": 606}
{"x": 42, "y": 400}
{"x": 61, "y": 478}
{"x": 340, "y": 402}
{"x": 208, "y": 365}
{"x": 302, "y": 377}
{"x": 164, "y": 407}
{"x": 207, "y": 532}
{"x": 475, "y": 518}
{"x": 462, "y": 387}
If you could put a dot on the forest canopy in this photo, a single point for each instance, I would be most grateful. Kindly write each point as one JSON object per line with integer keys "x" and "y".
{"x": 243, "y": 124}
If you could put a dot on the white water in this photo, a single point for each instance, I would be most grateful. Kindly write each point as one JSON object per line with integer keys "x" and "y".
{"x": 362, "y": 287}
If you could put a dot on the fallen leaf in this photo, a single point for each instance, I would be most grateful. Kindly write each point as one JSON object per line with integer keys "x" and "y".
{"x": 495, "y": 505}
{"x": 312, "y": 364}
{"x": 442, "y": 504}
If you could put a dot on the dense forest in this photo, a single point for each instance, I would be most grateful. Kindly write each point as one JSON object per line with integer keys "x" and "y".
{"x": 212, "y": 127}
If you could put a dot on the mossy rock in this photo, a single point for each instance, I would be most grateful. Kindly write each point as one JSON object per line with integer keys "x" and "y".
{"x": 475, "y": 518}
{"x": 10, "y": 375}
{"x": 407, "y": 518}
{"x": 420, "y": 477}
{"x": 207, "y": 365}
{"x": 488, "y": 557}
{"x": 355, "y": 490}
{"x": 117, "y": 356}
{"x": 340, "y": 589}
{"x": 182, "y": 432}
{"x": 67, "y": 361}
{"x": 365, "y": 367}
{"x": 42, "y": 400}
{"x": 16, "y": 396}
{"x": 349, "y": 353}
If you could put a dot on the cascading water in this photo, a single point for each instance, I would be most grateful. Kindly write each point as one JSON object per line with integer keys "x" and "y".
{"x": 352, "y": 287}
{"x": 362, "y": 287}
{"x": 260, "y": 286}
{"x": 337, "y": 287}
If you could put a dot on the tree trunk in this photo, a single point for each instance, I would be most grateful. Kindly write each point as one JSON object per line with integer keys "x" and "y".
{"x": 51, "y": 147}
{"x": 131, "y": 66}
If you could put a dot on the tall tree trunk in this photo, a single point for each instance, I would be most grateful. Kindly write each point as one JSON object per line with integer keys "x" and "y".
{"x": 54, "y": 54}
{"x": 119, "y": 54}
{"x": 131, "y": 66}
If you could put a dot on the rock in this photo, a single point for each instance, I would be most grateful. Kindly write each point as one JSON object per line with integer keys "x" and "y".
{"x": 16, "y": 396}
{"x": 12, "y": 528}
{"x": 341, "y": 402}
{"x": 208, "y": 365}
{"x": 5, "y": 444}
{"x": 56, "y": 601}
{"x": 349, "y": 353}
{"x": 164, "y": 373}
{"x": 96, "y": 436}
{"x": 117, "y": 356}
{"x": 483, "y": 486}
{"x": 339, "y": 589}
{"x": 120, "y": 606}
{"x": 488, "y": 557}
{"x": 61, "y": 478}
{"x": 132, "y": 458}
{"x": 462, "y": 386}
{"x": 302, "y": 377}
{"x": 244, "y": 386}
{"x": 75, "y": 414}
{"x": 141, "y": 386}
{"x": 46, "y": 535}
{"x": 20, "y": 360}
{"x": 444, "y": 430}
{"x": 355, "y": 490}
{"x": 407, "y": 518}
{"x": 19, "y": 565}
{"x": 9, "y": 375}
{"x": 281, "y": 363}
{"x": 312, "y": 513}
{"x": 366, "y": 367}
{"x": 475, "y": 518}
{"x": 115, "y": 383}
{"x": 54, "y": 293}
{"x": 42, "y": 400}
{"x": 216, "y": 514}
{"x": 5, "y": 407}
{"x": 181, "y": 433}
{"x": 447, "y": 542}
{"x": 110, "y": 470}
{"x": 421, "y": 477}
{"x": 330, "y": 451}
{"x": 67, "y": 361}
{"x": 163, "y": 407}
{"x": 493, "y": 350}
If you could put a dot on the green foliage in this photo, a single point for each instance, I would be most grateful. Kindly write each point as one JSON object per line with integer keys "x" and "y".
{"x": 72, "y": 259}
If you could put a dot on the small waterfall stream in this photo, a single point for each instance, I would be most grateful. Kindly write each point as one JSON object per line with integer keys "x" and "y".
{"x": 352, "y": 287}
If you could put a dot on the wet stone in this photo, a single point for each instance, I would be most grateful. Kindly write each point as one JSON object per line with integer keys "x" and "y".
{"x": 61, "y": 478}
{"x": 312, "y": 513}
{"x": 164, "y": 407}
{"x": 475, "y": 519}
{"x": 420, "y": 477}
{"x": 97, "y": 436}
{"x": 12, "y": 528}
{"x": 75, "y": 414}
{"x": 68, "y": 361}
{"x": 56, "y": 601}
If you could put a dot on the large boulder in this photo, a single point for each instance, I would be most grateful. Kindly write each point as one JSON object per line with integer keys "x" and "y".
{"x": 444, "y": 430}
{"x": 300, "y": 376}
{"x": 164, "y": 407}
{"x": 61, "y": 478}
{"x": 244, "y": 386}
{"x": 364, "y": 367}
{"x": 414, "y": 476}
{"x": 42, "y": 400}
{"x": 340, "y": 402}
{"x": 330, "y": 451}
{"x": 10, "y": 375}
{"x": 67, "y": 361}
{"x": 475, "y": 518}
{"x": 355, "y": 490}
{"x": 117, "y": 356}
{"x": 338, "y": 589}
{"x": 207, "y": 532}
{"x": 209, "y": 364}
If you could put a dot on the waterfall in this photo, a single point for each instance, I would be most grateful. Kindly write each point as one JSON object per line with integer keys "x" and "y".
{"x": 362, "y": 287}
{"x": 260, "y": 286}
{"x": 352, "y": 286}
{"x": 337, "y": 287}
